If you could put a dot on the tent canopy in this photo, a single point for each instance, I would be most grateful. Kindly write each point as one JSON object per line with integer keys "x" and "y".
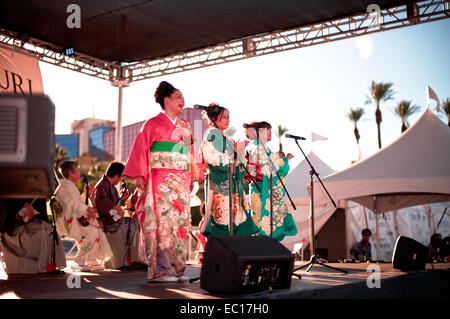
{"x": 137, "y": 30}
{"x": 298, "y": 179}
{"x": 412, "y": 170}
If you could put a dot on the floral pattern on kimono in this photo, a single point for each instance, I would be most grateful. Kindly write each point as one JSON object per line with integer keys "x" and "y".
{"x": 91, "y": 241}
{"x": 283, "y": 222}
{"x": 214, "y": 153}
{"x": 163, "y": 154}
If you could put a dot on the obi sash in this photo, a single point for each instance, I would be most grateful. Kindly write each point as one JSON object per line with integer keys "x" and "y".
{"x": 169, "y": 155}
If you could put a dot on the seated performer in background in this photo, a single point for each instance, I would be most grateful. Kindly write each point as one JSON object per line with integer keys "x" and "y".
{"x": 122, "y": 232}
{"x": 260, "y": 167}
{"x": 93, "y": 247}
{"x": 362, "y": 251}
{"x": 216, "y": 154}
{"x": 27, "y": 239}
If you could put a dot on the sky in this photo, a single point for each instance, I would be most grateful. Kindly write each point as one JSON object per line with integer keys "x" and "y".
{"x": 305, "y": 90}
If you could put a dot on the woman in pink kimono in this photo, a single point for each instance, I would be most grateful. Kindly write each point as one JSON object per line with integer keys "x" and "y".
{"x": 162, "y": 162}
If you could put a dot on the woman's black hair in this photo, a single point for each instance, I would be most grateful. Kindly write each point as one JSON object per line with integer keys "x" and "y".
{"x": 214, "y": 110}
{"x": 259, "y": 126}
{"x": 164, "y": 89}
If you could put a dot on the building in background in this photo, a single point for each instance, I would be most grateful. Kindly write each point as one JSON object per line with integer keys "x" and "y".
{"x": 83, "y": 127}
{"x": 129, "y": 133}
{"x": 96, "y": 142}
{"x": 97, "y": 138}
{"x": 71, "y": 142}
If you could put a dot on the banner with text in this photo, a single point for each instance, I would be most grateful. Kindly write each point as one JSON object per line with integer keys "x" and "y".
{"x": 19, "y": 72}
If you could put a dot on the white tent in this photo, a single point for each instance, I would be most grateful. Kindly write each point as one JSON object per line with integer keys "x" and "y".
{"x": 412, "y": 170}
{"x": 296, "y": 183}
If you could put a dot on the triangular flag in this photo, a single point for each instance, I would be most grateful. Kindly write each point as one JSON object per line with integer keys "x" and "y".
{"x": 317, "y": 137}
{"x": 432, "y": 95}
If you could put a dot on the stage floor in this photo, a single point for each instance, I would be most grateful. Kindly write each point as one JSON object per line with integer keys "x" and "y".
{"x": 361, "y": 282}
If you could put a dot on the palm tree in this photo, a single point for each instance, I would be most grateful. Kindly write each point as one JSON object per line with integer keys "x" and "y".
{"x": 446, "y": 109}
{"x": 404, "y": 110}
{"x": 355, "y": 115}
{"x": 280, "y": 132}
{"x": 380, "y": 92}
{"x": 96, "y": 173}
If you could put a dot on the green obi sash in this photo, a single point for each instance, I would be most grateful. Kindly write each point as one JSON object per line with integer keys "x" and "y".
{"x": 169, "y": 155}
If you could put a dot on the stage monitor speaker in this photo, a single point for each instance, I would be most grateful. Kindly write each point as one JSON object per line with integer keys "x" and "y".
{"x": 244, "y": 264}
{"x": 409, "y": 254}
{"x": 27, "y": 143}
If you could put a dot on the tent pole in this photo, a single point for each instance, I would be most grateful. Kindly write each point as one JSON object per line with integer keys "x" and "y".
{"x": 118, "y": 154}
{"x": 121, "y": 81}
{"x": 377, "y": 228}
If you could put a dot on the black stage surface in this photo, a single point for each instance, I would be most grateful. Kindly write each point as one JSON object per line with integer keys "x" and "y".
{"x": 319, "y": 283}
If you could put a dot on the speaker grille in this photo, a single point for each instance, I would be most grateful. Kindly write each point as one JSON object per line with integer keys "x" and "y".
{"x": 13, "y": 129}
{"x": 8, "y": 129}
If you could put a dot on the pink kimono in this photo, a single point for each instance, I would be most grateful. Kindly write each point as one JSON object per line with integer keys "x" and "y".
{"x": 163, "y": 154}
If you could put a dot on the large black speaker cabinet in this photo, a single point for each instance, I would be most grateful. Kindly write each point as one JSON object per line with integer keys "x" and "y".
{"x": 27, "y": 133}
{"x": 241, "y": 264}
{"x": 409, "y": 254}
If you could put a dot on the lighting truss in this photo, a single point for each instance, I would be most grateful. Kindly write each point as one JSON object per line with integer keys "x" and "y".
{"x": 375, "y": 20}
{"x": 338, "y": 29}
{"x": 55, "y": 55}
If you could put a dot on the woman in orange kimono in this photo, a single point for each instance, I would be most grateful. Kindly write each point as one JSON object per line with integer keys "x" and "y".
{"x": 162, "y": 162}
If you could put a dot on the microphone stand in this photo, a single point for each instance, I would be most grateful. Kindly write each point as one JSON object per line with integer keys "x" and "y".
{"x": 55, "y": 240}
{"x": 230, "y": 201}
{"x": 271, "y": 186}
{"x": 128, "y": 241}
{"x": 313, "y": 259}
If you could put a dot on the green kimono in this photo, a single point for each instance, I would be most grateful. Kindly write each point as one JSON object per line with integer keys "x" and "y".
{"x": 216, "y": 161}
{"x": 259, "y": 164}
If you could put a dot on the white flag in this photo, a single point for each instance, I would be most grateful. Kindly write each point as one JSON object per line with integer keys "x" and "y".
{"x": 317, "y": 137}
{"x": 432, "y": 95}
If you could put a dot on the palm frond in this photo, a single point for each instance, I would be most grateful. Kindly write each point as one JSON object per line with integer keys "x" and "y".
{"x": 355, "y": 114}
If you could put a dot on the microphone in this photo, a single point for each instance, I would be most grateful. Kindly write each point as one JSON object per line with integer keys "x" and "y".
{"x": 295, "y": 137}
{"x": 85, "y": 179}
{"x": 245, "y": 125}
{"x": 202, "y": 107}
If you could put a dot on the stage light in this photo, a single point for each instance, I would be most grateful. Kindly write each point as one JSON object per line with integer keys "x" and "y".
{"x": 70, "y": 51}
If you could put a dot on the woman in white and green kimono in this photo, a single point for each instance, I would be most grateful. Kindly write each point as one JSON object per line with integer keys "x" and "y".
{"x": 260, "y": 168}
{"x": 215, "y": 154}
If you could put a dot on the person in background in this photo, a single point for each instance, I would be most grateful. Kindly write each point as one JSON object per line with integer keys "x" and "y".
{"x": 122, "y": 232}
{"x": 27, "y": 237}
{"x": 434, "y": 248}
{"x": 93, "y": 247}
{"x": 362, "y": 251}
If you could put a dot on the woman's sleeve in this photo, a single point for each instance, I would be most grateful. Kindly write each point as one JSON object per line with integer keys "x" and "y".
{"x": 139, "y": 158}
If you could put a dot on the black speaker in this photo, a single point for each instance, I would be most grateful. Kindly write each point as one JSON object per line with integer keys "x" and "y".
{"x": 241, "y": 264}
{"x": 409, "y": 254}
{"x": 27, "y": 143}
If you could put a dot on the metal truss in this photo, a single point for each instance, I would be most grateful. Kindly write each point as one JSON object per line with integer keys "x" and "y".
{"x": 372, "y": 21}
{"x": 375, "y": 20}
{"x": 55, "y": 55}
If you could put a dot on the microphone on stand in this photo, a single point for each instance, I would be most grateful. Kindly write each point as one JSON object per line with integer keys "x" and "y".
{"x": 85, "y": 179}
{"x": 202, "y": 107}
{"x": 245, "y": 125}
{"x": 295, "y": 137}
